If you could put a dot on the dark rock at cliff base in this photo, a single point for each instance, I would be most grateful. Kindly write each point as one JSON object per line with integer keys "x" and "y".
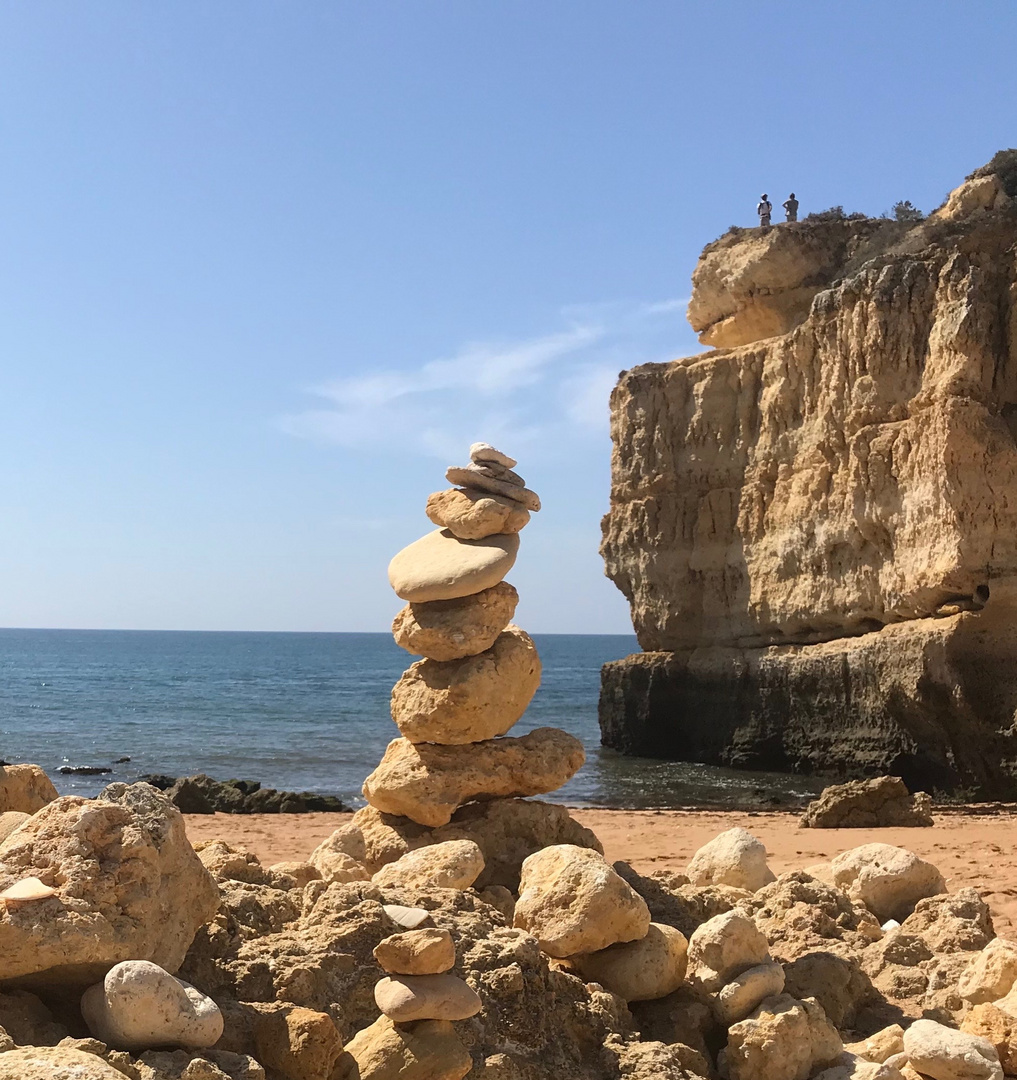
{"x": 202, "y": 794}
{"x": 882, "y": 803}
{"x": 930, "y": 701}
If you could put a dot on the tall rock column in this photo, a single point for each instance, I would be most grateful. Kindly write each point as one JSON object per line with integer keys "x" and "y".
{"x": 455, "y": 773}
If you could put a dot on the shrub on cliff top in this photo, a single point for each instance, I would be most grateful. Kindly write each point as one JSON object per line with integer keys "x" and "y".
{"x": 1003, "y": 165}
{"x": 834, "y": 213}
{"x": 904, "y": 211}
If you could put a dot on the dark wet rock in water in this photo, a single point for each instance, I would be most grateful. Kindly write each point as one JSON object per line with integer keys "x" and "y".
{"x": 882, "y": 803}
{"x": 84, "y": 770}
{"x": 202, "y": 794}
{"x": 121, "y": 761}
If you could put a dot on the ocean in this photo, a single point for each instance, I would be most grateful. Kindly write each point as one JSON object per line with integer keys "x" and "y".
{"x": 300, "y": 712}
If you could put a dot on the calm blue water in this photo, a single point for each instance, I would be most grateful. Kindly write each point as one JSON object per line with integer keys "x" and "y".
{"x": 302, "y": 712}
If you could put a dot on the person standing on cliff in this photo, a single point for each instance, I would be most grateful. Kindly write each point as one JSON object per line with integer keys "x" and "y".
{"x": 791, "y": 208}
{"x": 764, "y": 209}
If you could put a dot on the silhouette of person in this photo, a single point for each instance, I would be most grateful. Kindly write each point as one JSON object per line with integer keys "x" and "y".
{"x": 791, "y": 208}
{"x": 764, "y": 209}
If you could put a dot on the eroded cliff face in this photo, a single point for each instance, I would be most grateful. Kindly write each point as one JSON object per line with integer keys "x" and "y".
{"x": 855, "y": 471}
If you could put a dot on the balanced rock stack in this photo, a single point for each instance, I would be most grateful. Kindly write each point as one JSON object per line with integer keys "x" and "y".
{"x": 479, "y": 671}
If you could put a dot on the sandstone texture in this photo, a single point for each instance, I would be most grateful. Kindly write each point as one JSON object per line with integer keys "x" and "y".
{"x": 735, "y": 858}
{"x": 296, "y": 1043}
{"x": 643, "y": 970}
{"x": 439, "y": 566}
{"x": 573, "y": 902}
{"x": 741, "y": 996}
{"x": 427, "y": 951}
{"x": 452, "y": 864}
{"x": 128, "y": 886}
{"x": 945, "y": 1054}
{"x": 881, "y": 803}
{"x": 815, "y": 524}
{"x": 55, "y": 1063}
{"x": 451, "y": 629}
{"x": 723, "y": 947}
{"x": 468, "y": 700}
{"x": 24, "y": 789}
{"x": 9, "y": 821}
{"x": 427, "y": 783}
{"x": 404, "y": 998}
{"x": 991, "y": 974}
{"x": 428, "y": 1050}
{"x": 470, "y": 514}
{"x": 783, "y": 1039}
{"x": 139, "y": 1006}
{"x": 888, "y": 880}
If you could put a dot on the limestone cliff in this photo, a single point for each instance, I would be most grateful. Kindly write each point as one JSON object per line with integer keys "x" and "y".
{"x": 850, "y": 468}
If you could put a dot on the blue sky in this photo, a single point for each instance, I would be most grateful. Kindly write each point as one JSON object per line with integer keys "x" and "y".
{"x": 267, "y": 268}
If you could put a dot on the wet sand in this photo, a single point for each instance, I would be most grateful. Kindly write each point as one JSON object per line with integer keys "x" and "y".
{"x": 971, "y": 848}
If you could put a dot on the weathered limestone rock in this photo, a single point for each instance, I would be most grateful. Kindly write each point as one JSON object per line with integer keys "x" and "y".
{"x": 297, "y": 1043}
{"x": 405, "y": 998}
{"x": 884, "y": 1044}
{"x": 139, "y": 1006}
{"x": 439, "y": 566}
{"x": 471, "y": 514}
{"x": 659, "y": 1061}
{"x": 999, "y": 1027}
{"x": 300, "y": 872}
{"x": 741, "y": 996}
{"x": 24, "y": 788}
{"x": 428, "y": 1050}
{"x": 980, "y": 193}
{"x": 945, "y": 1054}
{"x": 428, "y": 951}
{"x": 750, "y": 285}
{"x": 54, "y": 1063}
{"x": 817, "y": 531}
{"x": 882, "y": 803}
{"x": 468, "y": 700}
{"x": 736, "y": 858}
{"x": 722, "y": 948}
{"x": 453, "y": 864}
{"x": 783, "y": 1039}
{"x": 859, "y": 1069}
{"x": 9, "y": 821}
{"x": 951, "y": 922}
{"x": 991, "y": 973}
{"x": 643, "y": 970}
{"x": 428, "y": 783}
{"x": 573, "y": 902}
{"x": 888, "y": 880}
{"x": 451, "y": 629}
{"x": 129, "y": 886}
{"x": 506, "y": 830}
{"x": 836, "y": 982}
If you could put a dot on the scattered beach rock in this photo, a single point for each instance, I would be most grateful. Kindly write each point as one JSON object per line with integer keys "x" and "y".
{"x": 405, "y": 998}
{"x": 9, "y": 821}
{"x": 439, "y": 566}
{"x": 783, "y": 1039}
{"x": 723, "y": 947}
{"x": 741, "y": 996}
{"x": 471, "y": 514}
{"x": 428, "y": 951}
{"x": 297, "y": 1043}
{"x": 836, "y": 982}
{"x": 452, "y": 629}
{"x": 453, "y": 864}
{"x": 468, "y": 700}
{"x": 25, "y": 789}
{"x": 991, "y": 973}
{"x": 946, "y": 1054}
{"x": 139, "y": 1006}
{"x": 573, "y": 902}
{"x": 651, "y": 967}
{"x": 428, "y": 1050}
{"x": 879, "y": 1046}
{"x": 888, "y": 880}
{"x": 147, "y": 903}
{"x": 201, "y": 794}
{"x": 882, "y": 803}
{"x": 54, "y": 1063}
{"x": 999, "y": 1027}
{"x": 427, "y": 783}
{"x": 951, "y": 922}
{"x": 735, "y": 858}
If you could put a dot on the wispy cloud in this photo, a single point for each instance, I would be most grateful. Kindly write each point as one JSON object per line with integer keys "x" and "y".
{"x": 519, "y": 392}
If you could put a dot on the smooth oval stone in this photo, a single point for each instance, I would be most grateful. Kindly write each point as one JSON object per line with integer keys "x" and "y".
{"x": 439, "y": 566}
{"x": 29, "y": 888}
{"x": 429, "y": 951}
{"x": 404, "y": 998}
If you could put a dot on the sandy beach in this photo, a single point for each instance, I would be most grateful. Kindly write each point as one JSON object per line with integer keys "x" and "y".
{"x": 971, "y": 847}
